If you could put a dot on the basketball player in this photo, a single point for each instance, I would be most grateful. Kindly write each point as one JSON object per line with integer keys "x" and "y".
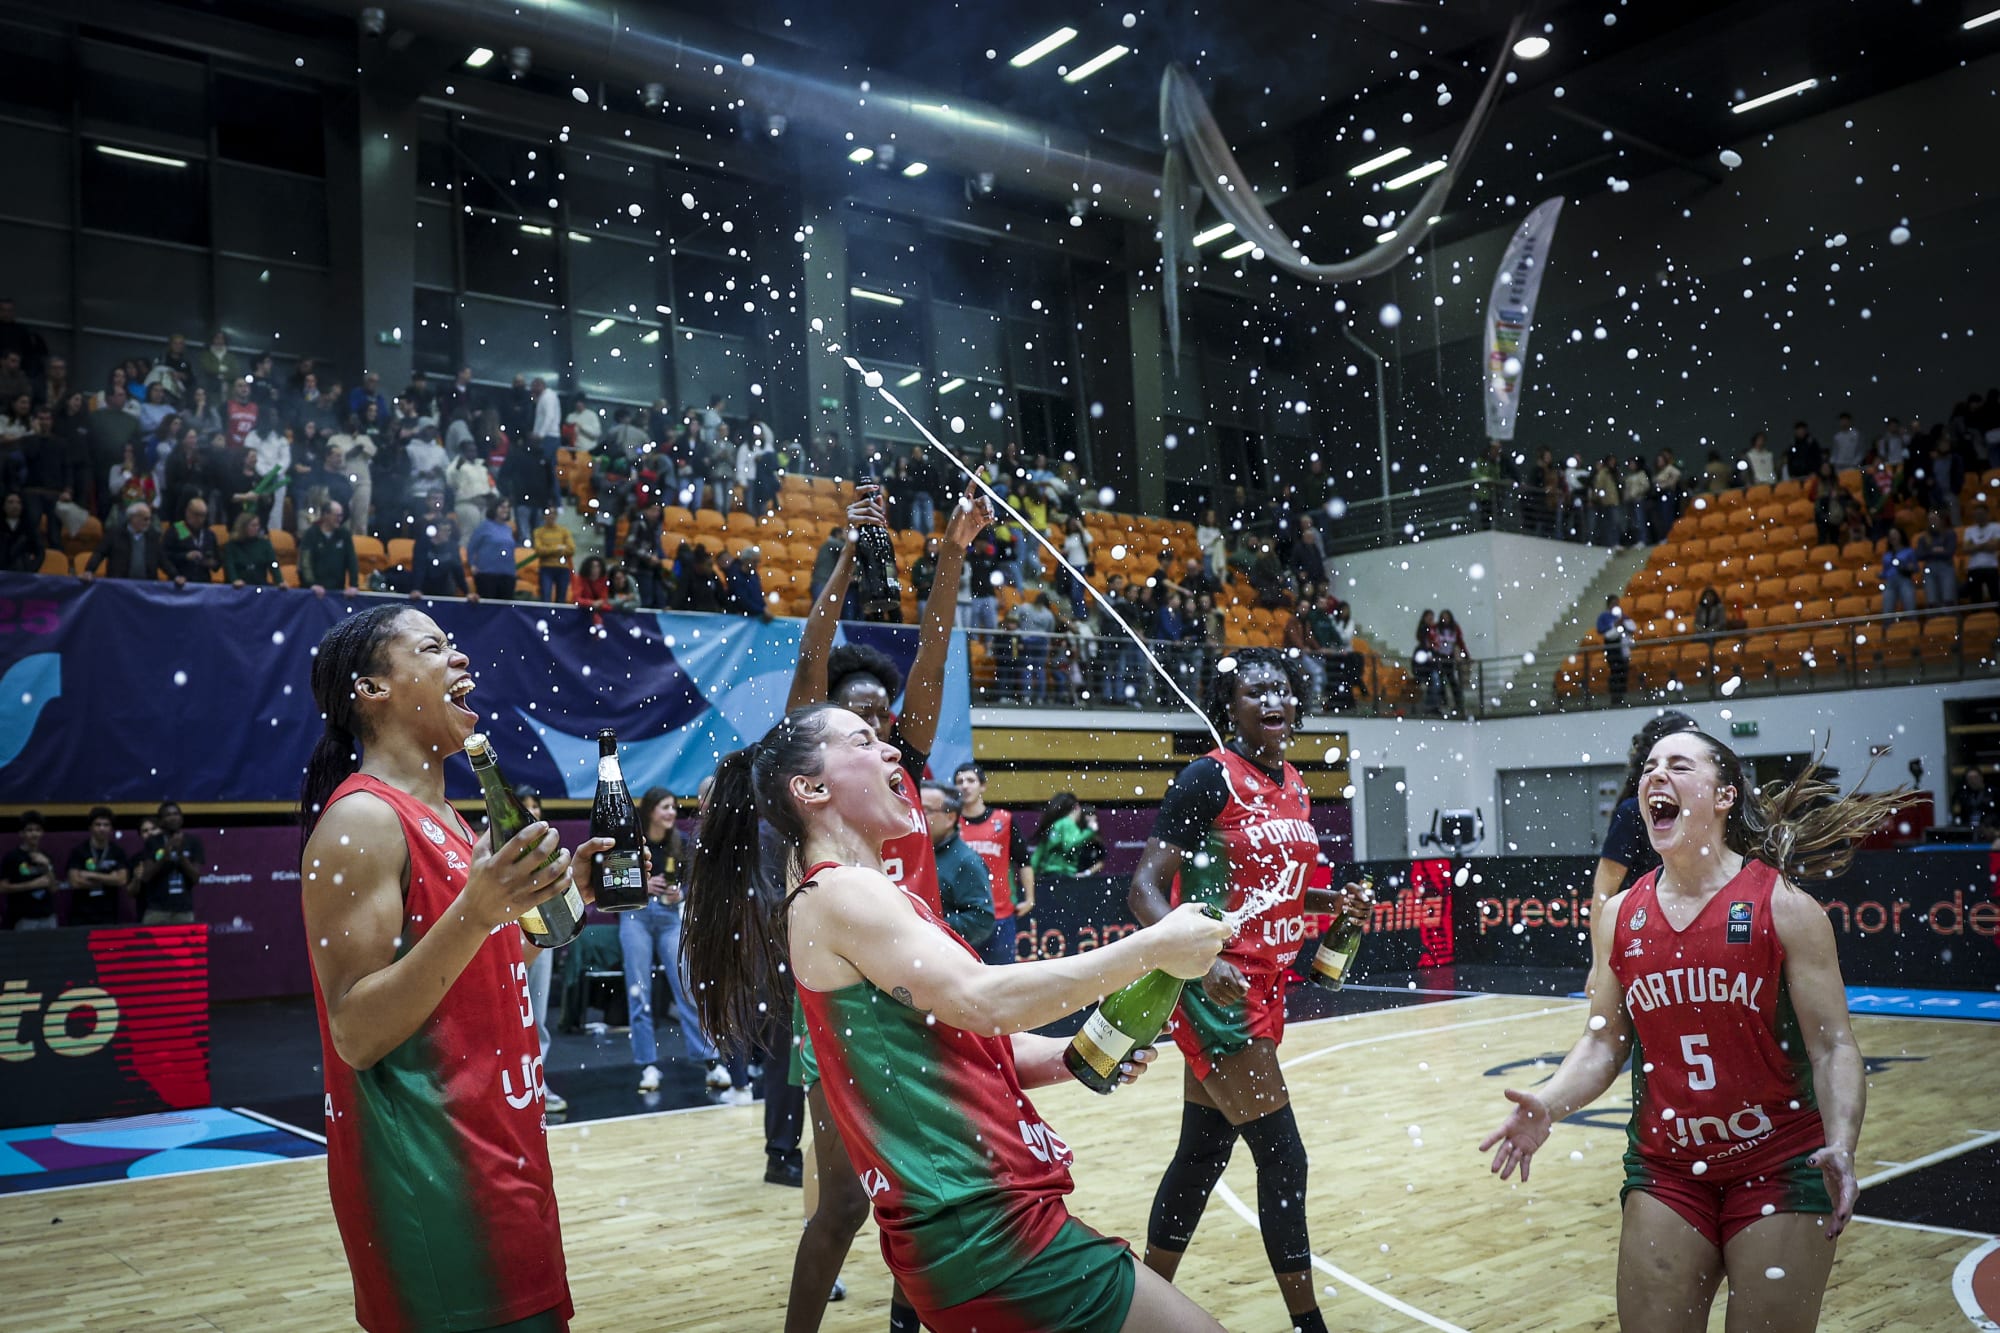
{"x": 1718, "y": 978}
{"x": 927, "y": 1052}
{"x": 1235, "y": 825}
{"x": 436, "y": 1156}
{"x": 990, "y": 833}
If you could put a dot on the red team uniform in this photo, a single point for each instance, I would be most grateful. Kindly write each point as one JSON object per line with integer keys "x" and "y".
{"x": 1247, "y": 831}
{"x": 436, "y": 1157}
{"x": 1723, "y": 1111}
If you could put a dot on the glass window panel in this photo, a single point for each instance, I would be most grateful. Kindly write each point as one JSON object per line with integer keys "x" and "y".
{"x": 38, "y": 83}
{"x": 1182, "y": 388}
{"x": 614, "y": 358}
{"x": 706, "y": 364}
{"x": 274, "y": 309}
{"x": 1041, "y": 354}
{"x": 603, "y": 188}
{"x": 973, "y": 405}
{"x": 884, "y": 263}
{"x": 504, "y": 340}
{"x": 270, "y": 215}
{"x": 611, "y": 276}
{"x": 124, "y": 86}
{"x": 965, "y": 341}
{"x": 38, "y": 172}
{"x": 140, "y": 287}
{"x": 506, "y": 257}
{"x": 967, "y": 274}
{"x": 37, "y": 273}
{"x": 433, "y": 249}
{"x": 435, "y": 162}
{"x": 886, "y": 332}
{"x": 97, "y": 353}
{"x": 713, "y": 294}
{"x": 269, "y": 124}
{"x": 918, "y": 394}
{"x": 138, "y": 198}
{"x": 507, "y": 176}
{"x": 434, "y": 346}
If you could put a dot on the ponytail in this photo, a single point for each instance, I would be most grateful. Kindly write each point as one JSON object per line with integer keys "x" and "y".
{"x": 350, "y": 650}
{"x": 1805, "y": 828}
{"x": 335, "y": 758}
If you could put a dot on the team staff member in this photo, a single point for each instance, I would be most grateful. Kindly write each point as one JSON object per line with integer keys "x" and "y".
{"x": 990, "y": 832}
{"x": 927, "y": 1052}
{"x": 28, "y": 878}
{"x": 1718, "y": 979}
{"x": 98, "y": 870}
{"x": 168, "y": 869}
{"x": 437, "y": 1160}
{"x": 1236, "y": 826}
{"x": 963, "y": 888}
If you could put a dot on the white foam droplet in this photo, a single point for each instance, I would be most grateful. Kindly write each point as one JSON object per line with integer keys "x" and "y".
{"x": 1576, "y": 1154}
{"x": 1730, "y": 158}
{"x": 1775, "y": 1273}
{"x": 1699, "y": 1168}
{"x": 873, "y": 379}
{"x": 1391, "y": 315}
{"x": 581, "y": 95}
{"x": 180, "y": 677}
{"x": 1899, "y": 235}
{"x": 1730, "y": 686}
{"x": 1597, "y": 1022}
{"x": 1475, "y": 571}
{"x": 958, "y": 425}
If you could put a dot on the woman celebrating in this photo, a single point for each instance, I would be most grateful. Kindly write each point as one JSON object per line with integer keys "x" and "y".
{"x": 927, "y": 1051}
{"x": 1235, "y": 828}
{"x": 1747, "y": 1099}
{"x": 436, "y": 1156}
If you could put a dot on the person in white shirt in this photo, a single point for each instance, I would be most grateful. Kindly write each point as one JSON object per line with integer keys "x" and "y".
{"x": 271, "y": 445}
{"x": 470, "y": 484}
{"x": 547, "y": 429}
{"x": 1847, "y": 444}
{"x": 1763, "y": 466}
{"x": 588, "y": 427}
{"x": 1982, "y": 559}
{"x": 427, "y": 465}
{"x": 351, "y": 453}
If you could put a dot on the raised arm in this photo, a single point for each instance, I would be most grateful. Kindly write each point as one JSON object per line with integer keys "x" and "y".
{"x": 809, "y": 677}
{"x": 860, "y": 923}
{"x": 923, "y": 695}
{"x": 1812, "y": 979}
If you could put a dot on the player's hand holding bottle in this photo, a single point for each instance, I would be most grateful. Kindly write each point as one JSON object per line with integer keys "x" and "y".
{"x": 1186, "y": 940}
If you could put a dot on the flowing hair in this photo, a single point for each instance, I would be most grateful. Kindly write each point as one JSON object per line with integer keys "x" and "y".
{"x": 351, "y": 649}
{"x": 733, "y": 937}
{"x": 1804, "y": 828}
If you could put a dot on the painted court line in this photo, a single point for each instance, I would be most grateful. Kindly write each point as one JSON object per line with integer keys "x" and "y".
{"x": 1961, "y": 1286}
{"x": 1420, "y": 1032}
{"x": 1922, "y": 1226}
{"x": 143, "y": 1180}
{"x": 1932, "y": 1159}
{"x": 276, "y": 1123}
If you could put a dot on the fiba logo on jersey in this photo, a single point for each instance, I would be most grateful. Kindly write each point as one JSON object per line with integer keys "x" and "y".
{"x": 432, "y": 831}
{"x": 1739, "y": 923}
{"x": 1638, "y": 921}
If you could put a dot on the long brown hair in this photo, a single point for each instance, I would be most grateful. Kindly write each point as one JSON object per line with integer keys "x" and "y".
{"x": 733, "y": 937}
{"x": 1804, "y": 828}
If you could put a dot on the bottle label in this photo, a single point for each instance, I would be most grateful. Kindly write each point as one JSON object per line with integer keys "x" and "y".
{"x": 620, "y": 870}
{"x": 531, "y": 922}
{"x": 1102, "y": 1045}
{"x": 608, "y": 770}
{"x": 1331, "y": 963}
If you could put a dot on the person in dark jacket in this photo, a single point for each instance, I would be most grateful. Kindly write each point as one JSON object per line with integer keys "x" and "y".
{"x": 192, "y": 550}
{"x": 134, "y": 551}
{"x": 965, "y": 886}
{"x": 701, "y": 589}
{"x": 746, "y": 587}
{"x": 21, "y": 546}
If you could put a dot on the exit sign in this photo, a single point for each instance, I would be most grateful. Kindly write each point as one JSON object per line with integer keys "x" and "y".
{"x": 829, "y": 404}
{"x": 1743, "y": 728}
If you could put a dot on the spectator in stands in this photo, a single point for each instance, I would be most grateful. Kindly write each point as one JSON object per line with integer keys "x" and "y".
{"x": 98, "y": 870}
{"x": 643, "y": 557}
{"x": 19, "y": 418}
{"x": 1763, "y": 465}
{"x": 112, "y": 429}
{"x": 746, "y": 586}
{"x": 1036, "y": 619}
{"x": 489, "y": 552}
{"x": 326, "y": 553}
{"x": 1901, "y": 567}
{"x": 923, "y": 570}
{"x": 1878, "y": 494}
{"x": 586, "y": 428}
{"x": 1127, "y": 678}
{"x": 1668, "y": 484}
{"x": 546, "y": 428}
{"x": 53, "y": 385}
{"x": 715, "y": 473}
{"x": 1802, "y": 459}
{"x": 555, "y": 552}
{"x": 438, "y": 560}
{"x": 622, "y": 594}
{"x": 1717, "y": 475}
{"x": 156, "y": 408}
{"x": 1937, "y": 553}
{"x": 1847, "y": 444}
{"x": 965, "y": 886}
{"x": 1453, "y": 657}
{"x": 271, "y": 447}
{"x": 239, "y": 415}
{"x": 216, "y": 367}
{"x": 1982, "y": 558}
{"x": 1830, "y": 503}
{"x": 1308, "y": 560}
{"x": 1425, "y": 663}
{"x": 351, "y": 452}
{"x": 1894, "y": 443}
{"x": 1710, "y": 615}
{"x": 1944, "y": 477}
{"x": 28, "y": 878}
{"x": 170, "y": 864}
{"x": 700, "y": 588}
{"x": 1606, "y": 497}
{"x": 129, "y": 482}
{"x": 470, "y": 485}
{"x": 1635, "y": 501}
{"x": 249, "y": 560}
{"x": 21, "y": 545}
{"x": 1616, "y": 631}
{"x": 185, "y": 475}
{"x": 45, "y": 478}
{"x": 770, "y": 469}
{"x": 192, "y": 551}
{"x": 1299, "y": 639}
{"x": 1974, "y": 805}
{"x": 590, "y": 588}
{"x": 1268, "y": 578}
{"x": 200, "y": 414}
{"x": 132, "y": 550}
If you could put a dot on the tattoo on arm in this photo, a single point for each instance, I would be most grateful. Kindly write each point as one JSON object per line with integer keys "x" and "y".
{"x": 902, "y": 995}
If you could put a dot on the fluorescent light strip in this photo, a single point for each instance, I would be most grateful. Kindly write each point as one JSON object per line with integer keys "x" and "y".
{"x": 1238, "y": 250}
{"x": 956, "y": 382}
{"x": 1096, "y": 62}
{"x": 153, "y": 158}
{"x": 601, "y": 326}
{"x": 533, "y": 230}
{"x": 1982, "y": 20}
{"x": 1423, "y": 172}
{"x": 1803, "y": 85}
{"x": 861, "y": 155}
{"x": 479, "y": 58}
{"x": 1214, "y": 233}
{"x": 909, "y": 379}
{"x": 1377, "y": 163}
{"x": 651, "y": 337}
{"x": 579, "y": 238}
{"x": 915, "y": 169}
{"x": 1049, "y": 43}
{"x": 884, "y": 297}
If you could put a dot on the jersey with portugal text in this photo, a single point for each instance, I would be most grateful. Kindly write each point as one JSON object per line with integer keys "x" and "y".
{"x": 992, "y": 837}
{"x": 436, "y": 1157}
{"x": 1721, "y": 1079}
{"x": 1250, "y": 838}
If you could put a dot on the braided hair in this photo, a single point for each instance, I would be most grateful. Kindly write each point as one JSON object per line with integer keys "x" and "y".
{"x": 350, "y": 650}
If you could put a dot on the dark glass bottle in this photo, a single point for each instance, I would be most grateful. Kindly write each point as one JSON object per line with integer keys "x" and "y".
{"x": 877, "y": 584}
{"x": 1126, "y": 1020}
{"x": 619, "y": 875}
{"x": 557, "y": 921}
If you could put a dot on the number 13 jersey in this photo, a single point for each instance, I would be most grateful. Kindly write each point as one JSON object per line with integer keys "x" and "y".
{"x": 1249, "y": 835}
{"x": 1720, "y": 1071}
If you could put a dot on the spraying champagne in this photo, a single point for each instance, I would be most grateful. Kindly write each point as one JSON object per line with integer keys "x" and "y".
{"x": 1125, "y": 1021}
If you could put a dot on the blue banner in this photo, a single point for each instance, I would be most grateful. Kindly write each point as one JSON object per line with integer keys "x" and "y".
{"x": 116, "y": 691}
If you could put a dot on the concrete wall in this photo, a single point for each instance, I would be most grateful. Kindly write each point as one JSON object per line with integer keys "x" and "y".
{"x": 1505, "y": 590}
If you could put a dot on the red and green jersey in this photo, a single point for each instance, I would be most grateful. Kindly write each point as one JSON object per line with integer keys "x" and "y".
{"x": 1720, "y": 1073}
{"x": 966, "y": 1180}
{"x": 1250, "y": 838}
{"x": 908, "y": 858}
{"x": 992, "y": 836}
{"x": 436, "y": 1156}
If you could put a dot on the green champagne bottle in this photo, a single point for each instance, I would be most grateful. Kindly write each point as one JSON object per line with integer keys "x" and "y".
{"x": 1335, "y": 955}
{"x": 560, "y": 919}
{"x": 1126, "y": 1020}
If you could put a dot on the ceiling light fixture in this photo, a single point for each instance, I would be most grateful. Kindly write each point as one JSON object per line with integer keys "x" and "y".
{"x": 866, "y": 295}
{"x": 1096, "y": 62}
{"x": 909, "y": 379}
{"x": 861, "y": 155}
{"x": 1215, "y": 233}
{"x": 1982, "y": 20}
{"x": 915, "y": 169}
{"x": 579, "y": 238}
{"x": 533, "y": 230}
{"x": 1377, "y": 163}
{"x": 1239, "y": 250}
{"x": 1423, "y": 172}
{"x": 651, "y": 337}
{"x": 601, "y": 326}
{"x": 130, "y": 155}
{"x": 1793, "y": 90}
{"x": 1532, "y": 48}
{"x": 1043, "y": 47}
{"x": 956, "y": 382}
{"x": 479, "y": 58}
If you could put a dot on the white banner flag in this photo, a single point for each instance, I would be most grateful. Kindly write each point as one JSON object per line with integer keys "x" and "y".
{"x": 1511, "y": 312}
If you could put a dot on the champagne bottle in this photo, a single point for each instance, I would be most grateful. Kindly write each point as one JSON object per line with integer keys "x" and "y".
{"x": 877, "y": 584}
{"x": 1126, "y": 1020}
{"x": 619, "y": 874}
{"x": 1335, "y": 955}
{"x": 557, "y": 921}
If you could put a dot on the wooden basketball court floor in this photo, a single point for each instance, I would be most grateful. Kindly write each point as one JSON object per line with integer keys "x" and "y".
{"x": 667, "y": 1224}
